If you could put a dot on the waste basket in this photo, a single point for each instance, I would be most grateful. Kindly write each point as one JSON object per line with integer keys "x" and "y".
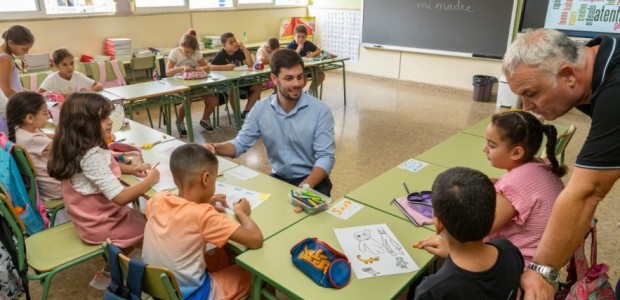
{"x": 483, "y": 85}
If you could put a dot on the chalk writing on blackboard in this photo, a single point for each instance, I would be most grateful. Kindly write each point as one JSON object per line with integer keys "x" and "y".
{"x": 445, "y": 6}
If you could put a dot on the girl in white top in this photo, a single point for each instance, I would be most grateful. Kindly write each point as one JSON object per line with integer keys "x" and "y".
{"x": 66, "y": 80}
{"x": 187, "y": 57}
{"x": 27, "y": 113}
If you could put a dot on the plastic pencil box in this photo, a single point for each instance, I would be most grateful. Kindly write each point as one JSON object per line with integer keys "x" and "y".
{"x": 309, "y": 200}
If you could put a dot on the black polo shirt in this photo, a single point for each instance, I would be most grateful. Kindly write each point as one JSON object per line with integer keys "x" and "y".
{"x": 602, "y": 147}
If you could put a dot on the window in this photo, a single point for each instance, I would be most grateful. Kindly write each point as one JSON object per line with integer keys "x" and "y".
{"x": 291, "y": 2}
{"x": 242, "y": 2}
{"x": 18, "y": 5}
{"x": 159, "y": 3}
{"x": 79, "y": 6}
{"x": 197, "y": 4}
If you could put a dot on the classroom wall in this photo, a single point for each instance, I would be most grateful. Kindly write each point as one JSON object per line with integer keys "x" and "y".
{"x": 85, "y": 35}
{"x": 450, "y": 71}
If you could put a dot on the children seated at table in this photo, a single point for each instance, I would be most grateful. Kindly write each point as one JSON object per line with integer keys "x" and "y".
{"x": 179, "y": 228}
{"x": 66, "y": 80}
{"x": 235, "y": 54}
{"x": 94, "y": 197}
{"x": 187, "y": 57}
{"x": 464, "y": 208}
{"x": 305, "y": 49}
{"x": 527, "y": 192}
{"x": 264, "y": 52}
{"x": 27, "y": 114}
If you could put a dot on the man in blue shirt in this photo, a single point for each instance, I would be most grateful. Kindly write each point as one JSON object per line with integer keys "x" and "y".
{"x": 296, "y": 128}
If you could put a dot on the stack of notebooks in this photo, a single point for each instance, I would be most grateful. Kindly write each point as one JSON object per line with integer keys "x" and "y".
{"x": 118, "y": 48}
{"x": 37, "y": 62}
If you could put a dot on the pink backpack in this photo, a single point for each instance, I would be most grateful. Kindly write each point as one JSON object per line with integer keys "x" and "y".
{"x": 591, "y": 280}
{"x": 118, "y": 81}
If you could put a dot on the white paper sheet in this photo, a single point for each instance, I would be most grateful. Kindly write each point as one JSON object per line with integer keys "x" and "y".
{"x": 242, "y": 173}
{"x": 413, "y": 165}
{"x": 373, "y": 251}
{"x": 166, "y": 182}
{"x": 234, "y": 194}
{"x": 344, "y": 209}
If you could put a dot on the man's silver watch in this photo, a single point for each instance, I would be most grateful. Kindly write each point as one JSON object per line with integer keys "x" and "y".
{"x": 550, "y": 274}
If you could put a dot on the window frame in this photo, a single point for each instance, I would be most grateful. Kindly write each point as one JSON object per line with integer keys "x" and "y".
{"x": 41, "y": 13}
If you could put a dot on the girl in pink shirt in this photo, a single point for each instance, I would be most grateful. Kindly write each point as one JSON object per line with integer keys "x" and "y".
{"x": 527, "y": 192}
{"x": 27, "y": 114}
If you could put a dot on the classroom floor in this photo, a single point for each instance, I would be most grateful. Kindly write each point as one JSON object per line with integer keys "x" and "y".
{"x": 384, "y": 123}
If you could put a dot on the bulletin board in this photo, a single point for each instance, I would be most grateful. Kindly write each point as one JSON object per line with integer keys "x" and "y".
{"x": 288, "y": 24}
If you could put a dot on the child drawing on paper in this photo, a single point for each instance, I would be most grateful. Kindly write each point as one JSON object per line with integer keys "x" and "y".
{"x": 367, "y": 243}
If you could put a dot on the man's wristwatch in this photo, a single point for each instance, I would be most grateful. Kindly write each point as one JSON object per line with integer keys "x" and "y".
{"x": 550, "y": 274}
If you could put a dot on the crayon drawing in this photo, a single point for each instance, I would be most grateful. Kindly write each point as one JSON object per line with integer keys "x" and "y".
{"x": 373, "y": 251}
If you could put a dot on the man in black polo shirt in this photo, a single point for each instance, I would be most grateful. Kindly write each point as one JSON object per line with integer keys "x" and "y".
{"x": 552, "y": 74}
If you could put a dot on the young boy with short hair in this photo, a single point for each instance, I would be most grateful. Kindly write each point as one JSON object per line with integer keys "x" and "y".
{"x": 306, "y": 48}
{"x": 464, "y": 209}
{"x": 178, "y": 229}
{"x": 235, "y": 54}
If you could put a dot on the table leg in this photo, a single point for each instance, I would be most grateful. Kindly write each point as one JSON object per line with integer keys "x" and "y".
{"x": 167, "y": 112}
{"x": 237, "y": 108}
{"x": 344, "y": 83}
{"x": 257, "y": 284}
{"x": 187, "y": 106}
{"x": 315, "y": 76}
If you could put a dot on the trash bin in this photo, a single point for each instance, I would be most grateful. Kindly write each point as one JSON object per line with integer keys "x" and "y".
{"x": 483, "y": 85}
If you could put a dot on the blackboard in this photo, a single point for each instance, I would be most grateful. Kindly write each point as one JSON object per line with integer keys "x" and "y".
{"x": 479, "y": 28}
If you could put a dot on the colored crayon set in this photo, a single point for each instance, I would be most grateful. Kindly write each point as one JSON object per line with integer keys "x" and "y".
{"x": 308, "y": 200}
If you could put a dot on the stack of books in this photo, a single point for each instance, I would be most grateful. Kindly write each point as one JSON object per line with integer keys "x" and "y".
{"x": 118, "y": 48}
{"x": 37, "y": 62}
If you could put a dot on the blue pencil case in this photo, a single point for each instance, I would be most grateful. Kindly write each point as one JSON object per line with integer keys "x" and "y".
{"x": 324, "y": 265}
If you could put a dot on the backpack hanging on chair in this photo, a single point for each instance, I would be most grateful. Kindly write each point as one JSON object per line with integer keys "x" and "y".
{"x": 590, "y": 280}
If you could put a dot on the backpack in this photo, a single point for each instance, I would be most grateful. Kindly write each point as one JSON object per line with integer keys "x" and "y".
{"x": 118, "y": 290}
{"x": 119, "y": 80}
{"x": 12, "y": 185}
{"x": 13, "y": 282}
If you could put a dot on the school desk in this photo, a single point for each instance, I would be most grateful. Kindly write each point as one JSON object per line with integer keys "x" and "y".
{"x": 380, "y": 191}
{"x": 461, "y": 150}
{"x": 323, "y": 65}
{"x": 138, "y": 135}
{"x": 272, "y": 263}
{"x": 156, "y": 93}
{"x": 274, "y": 214}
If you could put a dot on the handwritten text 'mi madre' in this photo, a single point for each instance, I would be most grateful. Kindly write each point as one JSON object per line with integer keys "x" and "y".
{"x": 445, "y": 6}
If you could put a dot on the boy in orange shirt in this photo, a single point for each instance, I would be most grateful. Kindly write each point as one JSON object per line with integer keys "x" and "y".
{"x": 178, "y": 229}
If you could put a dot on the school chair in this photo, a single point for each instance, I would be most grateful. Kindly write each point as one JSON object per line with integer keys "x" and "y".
{"x": 47, "y": 252}
{"x": 32, "y": 81}
{"x": 560, "y": 144}
{"x": 29, "y": 174}
{"x": 146, "y": 63}
{"x": 158, "y": 282}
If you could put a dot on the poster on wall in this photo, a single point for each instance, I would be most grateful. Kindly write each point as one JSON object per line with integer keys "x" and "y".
{"x": 288, "y": 24}
{"x": 339, "y": 31}
{"x": 584, "y": 15}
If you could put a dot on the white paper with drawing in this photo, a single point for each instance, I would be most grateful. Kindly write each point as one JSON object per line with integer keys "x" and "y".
{"x": 373, "y": 251}
{"x": 234, "y": 193}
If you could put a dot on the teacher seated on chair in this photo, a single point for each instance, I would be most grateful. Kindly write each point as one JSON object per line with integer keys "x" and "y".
{"x": 296, "y": 128}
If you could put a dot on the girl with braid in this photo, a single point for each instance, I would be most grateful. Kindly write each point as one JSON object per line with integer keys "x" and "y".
{"x": 527, "y": 192}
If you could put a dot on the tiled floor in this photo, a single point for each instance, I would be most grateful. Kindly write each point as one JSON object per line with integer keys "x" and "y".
{"x": 384, "y": 123}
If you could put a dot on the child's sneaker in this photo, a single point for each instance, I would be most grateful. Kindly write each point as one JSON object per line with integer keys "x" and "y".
{"x": 244, "y": 114}
{"x": 309, "y": 92}
{"x": 101, "y": 280}
{"x": 206, "y": 124}
{"x": 181, "y": 129}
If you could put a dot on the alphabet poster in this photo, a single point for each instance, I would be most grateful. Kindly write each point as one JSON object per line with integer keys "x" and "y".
{"x": 374, "y": 251}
